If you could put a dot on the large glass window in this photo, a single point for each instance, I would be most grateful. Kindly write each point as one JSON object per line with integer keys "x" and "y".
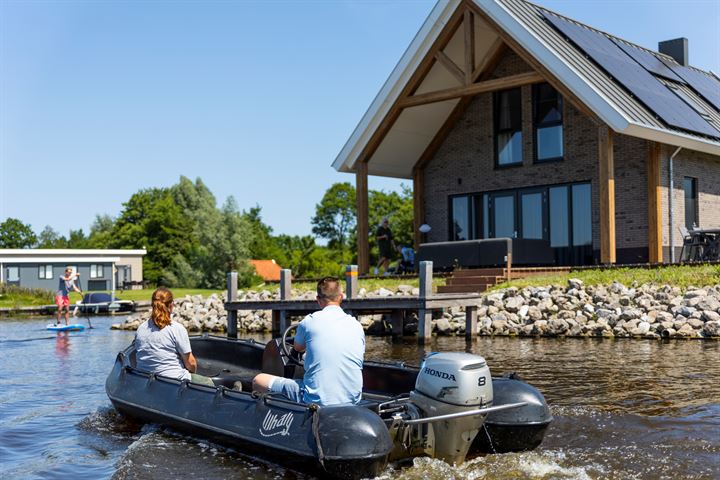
{"x": 548, "y": 123}
{"x": 508, "y": 128}
{"x": 460, "y": 227}
{"x": 504, "y": 216}
{"x": 559, "y": 218}
{"x": 532, "y": 215}
{"x": 581, "y": 215}
{"x": 692, "y": 219}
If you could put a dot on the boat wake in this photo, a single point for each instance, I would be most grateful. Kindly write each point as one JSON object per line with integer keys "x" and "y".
{"x": 528, "y": 465}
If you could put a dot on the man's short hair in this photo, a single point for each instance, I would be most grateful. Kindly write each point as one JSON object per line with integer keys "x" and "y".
{"x": 329, "y": 288}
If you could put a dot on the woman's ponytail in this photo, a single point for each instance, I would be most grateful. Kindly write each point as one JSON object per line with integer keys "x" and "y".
{"x": 162, "y": 300}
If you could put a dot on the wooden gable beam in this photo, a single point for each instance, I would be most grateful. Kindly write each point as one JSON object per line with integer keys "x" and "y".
{"x": 412, "y": 85}
{"x": 536, "y": 65}
{"x": 451, "y": 66}
{"x": 491, "y": 60}
{"x": 495, "y": 84}
{"x": 469, "y": 24}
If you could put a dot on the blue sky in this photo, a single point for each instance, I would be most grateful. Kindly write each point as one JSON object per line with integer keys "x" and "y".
{"x": 101, "y": 98}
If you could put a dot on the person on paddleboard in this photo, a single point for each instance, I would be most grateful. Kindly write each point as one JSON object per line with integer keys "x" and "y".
{"x": 66, "y": 284}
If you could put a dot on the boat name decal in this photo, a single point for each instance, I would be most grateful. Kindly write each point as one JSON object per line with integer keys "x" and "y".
{"x": 439, "y": 374}
{"x": 274, "y": 424}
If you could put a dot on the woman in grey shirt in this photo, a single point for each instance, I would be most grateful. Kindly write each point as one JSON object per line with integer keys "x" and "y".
{"x": 163, "y": 346}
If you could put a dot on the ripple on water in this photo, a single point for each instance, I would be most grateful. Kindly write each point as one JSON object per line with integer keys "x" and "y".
{"x": 161, "y": 454}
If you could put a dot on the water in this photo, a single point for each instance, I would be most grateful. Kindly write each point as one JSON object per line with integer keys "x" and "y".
{"x": 625, "y": 409}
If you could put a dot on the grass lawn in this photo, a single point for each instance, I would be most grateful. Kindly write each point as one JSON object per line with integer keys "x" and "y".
{"x": 146, "y": 293}
{"x": 681, "y": 276}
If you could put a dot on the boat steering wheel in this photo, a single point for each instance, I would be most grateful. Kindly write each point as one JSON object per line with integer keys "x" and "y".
{"x": 294, "y": 356}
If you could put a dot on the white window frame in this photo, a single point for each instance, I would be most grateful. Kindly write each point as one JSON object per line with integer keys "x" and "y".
{"x": 45, "y": 272}
{"x": 96, "y": 270}
{"x": 9, "y": 274}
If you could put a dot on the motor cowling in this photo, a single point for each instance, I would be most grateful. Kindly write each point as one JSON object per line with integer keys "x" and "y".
{"x": 452, "y": 382}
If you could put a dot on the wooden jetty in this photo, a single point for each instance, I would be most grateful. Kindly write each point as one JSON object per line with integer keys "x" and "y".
{"x": 397, "y": 306}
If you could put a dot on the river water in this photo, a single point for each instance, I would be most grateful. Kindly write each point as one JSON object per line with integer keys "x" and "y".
{"x": 624, "y": 409}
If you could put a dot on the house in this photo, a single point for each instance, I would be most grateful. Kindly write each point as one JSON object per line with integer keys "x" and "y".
{"x": 41, "y": 267}
{"x": 268, "y": 270}
{"x": 515, "y": 121}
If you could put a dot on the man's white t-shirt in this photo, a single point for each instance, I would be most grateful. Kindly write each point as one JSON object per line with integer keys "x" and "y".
{"x": 159, "y": 350}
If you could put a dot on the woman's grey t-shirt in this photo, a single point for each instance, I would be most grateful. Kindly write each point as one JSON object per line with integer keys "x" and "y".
{"x": 159, "y": 350}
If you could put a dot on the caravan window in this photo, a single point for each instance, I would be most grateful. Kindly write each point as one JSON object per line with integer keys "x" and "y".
{"x": 45, "y": 272}
{"x": 96, "y": 271}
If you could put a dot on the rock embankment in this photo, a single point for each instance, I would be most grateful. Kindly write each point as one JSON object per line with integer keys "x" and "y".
{"x": 575, "y": 310}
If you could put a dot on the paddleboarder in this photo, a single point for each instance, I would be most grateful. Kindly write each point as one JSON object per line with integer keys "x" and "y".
{"x": 66, "y": 284}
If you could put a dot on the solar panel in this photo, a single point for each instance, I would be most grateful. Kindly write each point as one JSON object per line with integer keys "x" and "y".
{"x": 642, "y": 84}
{"x": 708, "y": 87}
{"x": 649, "y": 61}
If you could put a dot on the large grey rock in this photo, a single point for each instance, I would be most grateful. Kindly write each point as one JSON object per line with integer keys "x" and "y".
{"x": 711, "y": 329}
{"x": 710, "y": 316}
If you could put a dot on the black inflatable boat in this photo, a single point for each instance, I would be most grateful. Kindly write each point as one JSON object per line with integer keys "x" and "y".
{"x": 447, "y": 408}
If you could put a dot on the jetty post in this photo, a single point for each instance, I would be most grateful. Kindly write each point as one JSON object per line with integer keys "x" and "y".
{"x": 351, "y": 281}
{"x": 285, "y": 294}
{"x": 425, "y": 315}
{"x": 232, "y": 296}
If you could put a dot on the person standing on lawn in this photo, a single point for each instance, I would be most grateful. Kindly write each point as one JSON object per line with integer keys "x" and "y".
{"x": 386, "y": 245}
{"x": 66, "y": 284}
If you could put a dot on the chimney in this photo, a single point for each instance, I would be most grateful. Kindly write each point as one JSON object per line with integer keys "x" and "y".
{"x": 676, "y": 48}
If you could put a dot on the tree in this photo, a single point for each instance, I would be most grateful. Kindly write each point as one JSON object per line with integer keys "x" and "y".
{"x": 335, "y": 215}
{"x": 16, "y": 234}
{"x": 49, "y": 238}
{"x": 101, "y": 232}
{"x": 152, "y": 220}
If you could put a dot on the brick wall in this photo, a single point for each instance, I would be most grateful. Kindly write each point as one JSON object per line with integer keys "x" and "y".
{"x": 704, "y": 167}
{"x": 465, "y": 164}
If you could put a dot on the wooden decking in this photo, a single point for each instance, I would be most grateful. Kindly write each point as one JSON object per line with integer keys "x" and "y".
{"x": 397, "y": 306}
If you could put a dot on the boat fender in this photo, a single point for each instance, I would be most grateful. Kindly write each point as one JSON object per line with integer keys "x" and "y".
{"x": 349, "y": 432}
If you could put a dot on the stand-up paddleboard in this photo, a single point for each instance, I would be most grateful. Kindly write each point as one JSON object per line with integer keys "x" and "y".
{"x": 65, "y": 328}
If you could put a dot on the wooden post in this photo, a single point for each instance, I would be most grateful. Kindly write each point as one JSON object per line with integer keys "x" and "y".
{"x": 363, "y": 230}
{"x": 655, "y": 253}
{"x": 232, "y": 296}
{"x": 351, "y": 281}
{"x": 470, "y": 322}
{"x": 285, "y": 294}
{"x": 418, "y": 204}
{"x": 607, "y": 195}
{"x": 424, "y": 315}
{"x": 397, "y": 317}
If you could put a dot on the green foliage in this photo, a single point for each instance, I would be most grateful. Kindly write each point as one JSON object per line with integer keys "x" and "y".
{"x": 152, "y": 220}
{"x": 13, "y": 296}
{"x": 335, "y": 215}
{"x": 16, "y": 234}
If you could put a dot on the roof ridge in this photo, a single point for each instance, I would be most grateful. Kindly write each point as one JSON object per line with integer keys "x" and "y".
{"x": 610, "y": 35}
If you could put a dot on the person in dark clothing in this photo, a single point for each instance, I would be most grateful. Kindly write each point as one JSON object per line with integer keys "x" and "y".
{"x": 386, "y": 245}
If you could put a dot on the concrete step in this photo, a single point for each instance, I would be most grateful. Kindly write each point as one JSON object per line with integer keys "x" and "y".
{"x": 461, "y": 288}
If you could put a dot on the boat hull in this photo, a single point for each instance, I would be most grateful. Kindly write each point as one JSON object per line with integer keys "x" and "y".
{"x": 339, "y": 441}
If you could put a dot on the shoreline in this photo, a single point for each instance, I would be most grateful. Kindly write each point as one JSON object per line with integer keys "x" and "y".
{"x": 645, "y": 311}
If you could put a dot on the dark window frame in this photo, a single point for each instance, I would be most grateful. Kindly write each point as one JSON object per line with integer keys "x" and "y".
{"x": 512, "y": 130}
{"x": 696, "y": 201}
{"x": 548, "y": 124}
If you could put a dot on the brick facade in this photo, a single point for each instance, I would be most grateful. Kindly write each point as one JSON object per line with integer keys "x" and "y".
{"x": 706, "y": 169}
{"x": 465, "y": 164}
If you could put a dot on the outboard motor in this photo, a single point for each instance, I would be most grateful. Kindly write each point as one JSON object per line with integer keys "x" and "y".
{"x": 449, "y": 383}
